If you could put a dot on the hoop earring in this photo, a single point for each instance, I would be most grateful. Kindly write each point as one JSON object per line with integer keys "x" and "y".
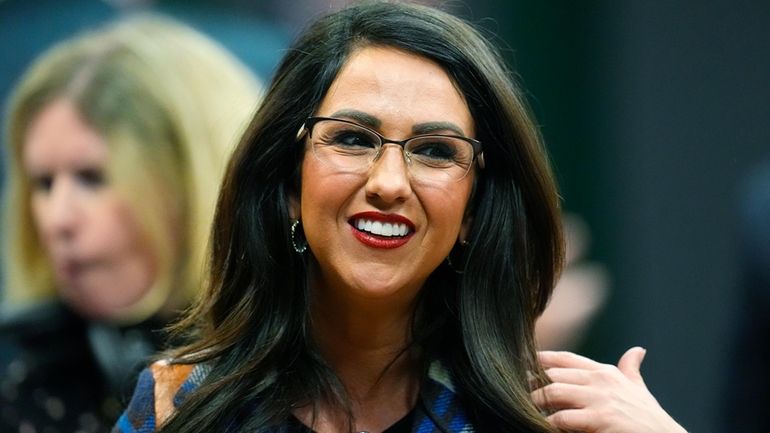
{"x": 462, "y": 244}
{"x": 301, "y": 245}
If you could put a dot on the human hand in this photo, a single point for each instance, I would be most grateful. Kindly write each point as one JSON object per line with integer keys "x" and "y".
{"x": 592, "y": 397}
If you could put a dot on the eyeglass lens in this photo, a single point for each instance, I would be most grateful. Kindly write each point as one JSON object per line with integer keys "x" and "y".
{"x": 350, "y": 147}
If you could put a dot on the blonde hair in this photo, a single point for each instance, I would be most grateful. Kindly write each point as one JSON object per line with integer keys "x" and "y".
{"x": 170, "y": 104}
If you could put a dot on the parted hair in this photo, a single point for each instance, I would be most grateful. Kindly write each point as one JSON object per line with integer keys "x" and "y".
{"x": 253, "y": 324}
{"x": 171, "y": 105}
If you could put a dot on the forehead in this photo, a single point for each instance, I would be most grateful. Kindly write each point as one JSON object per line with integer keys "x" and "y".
{"x": 398, "y": 88}
{"x": 58, "y": 135}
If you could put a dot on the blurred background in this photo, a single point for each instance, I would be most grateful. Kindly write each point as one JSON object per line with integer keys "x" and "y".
{"x": 654, "y": 114}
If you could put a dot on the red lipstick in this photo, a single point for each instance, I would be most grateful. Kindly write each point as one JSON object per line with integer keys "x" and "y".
{"x": 382, "y": 241}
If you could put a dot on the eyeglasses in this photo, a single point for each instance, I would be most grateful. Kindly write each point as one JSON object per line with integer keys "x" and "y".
{"x": 350, "y": 147}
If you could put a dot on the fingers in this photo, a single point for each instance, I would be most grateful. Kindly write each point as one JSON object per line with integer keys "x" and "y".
{"x": 589, "y": 396}
{"x": 550, "y": 359}
{"x": 561, "y": 396}
{"x": 573, "y": 376}
{"x": 571, "y": 419}
{"x": 631, "y": 362}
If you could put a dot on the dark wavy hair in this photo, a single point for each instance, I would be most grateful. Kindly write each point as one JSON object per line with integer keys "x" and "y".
{"x": 253, "y": 325}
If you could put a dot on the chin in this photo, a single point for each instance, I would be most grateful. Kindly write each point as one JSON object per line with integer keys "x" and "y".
{"x": 386, "y": 287}
{"x": 91, "y": 305}
{"x": 92, "y": 311}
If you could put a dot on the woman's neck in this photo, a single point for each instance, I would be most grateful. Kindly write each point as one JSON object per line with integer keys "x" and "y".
{"x": 366, "y": 344}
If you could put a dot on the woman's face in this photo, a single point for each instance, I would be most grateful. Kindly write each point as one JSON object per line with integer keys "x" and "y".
{"x": 398, "y": 95}
{"x": 100, "y": 263}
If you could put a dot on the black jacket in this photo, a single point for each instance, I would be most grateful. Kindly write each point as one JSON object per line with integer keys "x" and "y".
{"x": 60, "y": 373}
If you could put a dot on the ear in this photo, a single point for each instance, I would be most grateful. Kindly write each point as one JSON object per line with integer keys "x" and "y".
{"x": 295, "y": 211}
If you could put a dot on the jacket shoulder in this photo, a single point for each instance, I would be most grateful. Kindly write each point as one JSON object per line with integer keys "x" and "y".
{"x": 169, "y": 380}
{"x": 159, "y": 390}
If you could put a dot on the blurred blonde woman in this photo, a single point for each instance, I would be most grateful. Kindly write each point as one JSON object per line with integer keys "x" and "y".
{"x": 116, "y": 143}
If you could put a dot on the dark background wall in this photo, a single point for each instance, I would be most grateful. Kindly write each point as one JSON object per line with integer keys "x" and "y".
{"x": 654, "y": 112}
{"x": 687, "y": 116}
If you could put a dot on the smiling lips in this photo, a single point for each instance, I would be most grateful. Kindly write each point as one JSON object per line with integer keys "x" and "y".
{"x": 378, "y": 230}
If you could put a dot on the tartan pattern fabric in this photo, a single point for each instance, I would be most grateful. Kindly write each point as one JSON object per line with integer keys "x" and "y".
{"x": 140, "y": 415}
{"x": 439, "y": 410}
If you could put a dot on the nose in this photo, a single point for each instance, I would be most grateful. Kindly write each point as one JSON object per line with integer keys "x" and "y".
{"x": 388, "y": 180}
{"x": 57, "y": 213}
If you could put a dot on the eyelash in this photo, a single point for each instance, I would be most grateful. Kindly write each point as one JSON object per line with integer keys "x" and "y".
{"x": 89, "y": 178}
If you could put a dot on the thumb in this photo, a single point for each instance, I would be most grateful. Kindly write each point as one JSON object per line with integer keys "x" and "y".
{"x": 630, "y": 363}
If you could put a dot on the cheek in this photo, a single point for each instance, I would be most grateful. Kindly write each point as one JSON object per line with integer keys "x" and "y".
{"x": 326, "y": 201}
{"x": 319, "y": 206}
{"x": 116, "y": 228}
{"x": 447, "y": 208}
{"x": 323, "y": 196}
{"x": 37, "y": 210}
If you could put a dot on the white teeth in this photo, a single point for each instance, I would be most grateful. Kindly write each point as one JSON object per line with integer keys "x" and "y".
{"x": 381, "y": 229}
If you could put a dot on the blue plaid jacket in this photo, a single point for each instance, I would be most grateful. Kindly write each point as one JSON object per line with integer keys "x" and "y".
{"x": 440, "y": 412}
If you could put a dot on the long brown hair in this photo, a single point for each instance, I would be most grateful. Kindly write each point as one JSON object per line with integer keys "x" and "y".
{"x": 253, "y": 326}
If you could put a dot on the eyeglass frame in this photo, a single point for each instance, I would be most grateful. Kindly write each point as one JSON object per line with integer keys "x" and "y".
{"x": 478, "y": 153}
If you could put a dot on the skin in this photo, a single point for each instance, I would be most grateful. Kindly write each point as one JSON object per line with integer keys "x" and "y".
{"x": 364, "y": 296}
{"x": 592, "y": 397}
{"x": 101, "y": 265}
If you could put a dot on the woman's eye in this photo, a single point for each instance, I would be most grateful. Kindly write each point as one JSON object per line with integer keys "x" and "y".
{"x": 435, "y": 150}
{"x": 42, "y": 183}
{"x": 92, "y": 178}
{"x": 353, "y": 139}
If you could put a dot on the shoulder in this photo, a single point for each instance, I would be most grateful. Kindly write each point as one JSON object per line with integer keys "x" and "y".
{"x": 173, "y": 383}
{"x": 139, "y": 417}
{"x": 37, "y": 342}
{"x": 34, "y": 320}
{"x": 41, "y": 331}
{"x": 45, "y": 357}
{"x": 160, "y": 389}
{"x": 441, "y": 402}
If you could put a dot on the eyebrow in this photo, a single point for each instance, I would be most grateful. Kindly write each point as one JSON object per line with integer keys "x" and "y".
{"x": 359, "y": 116}
{"x": 432, "y": 127}
{"x": 418, "y": 129}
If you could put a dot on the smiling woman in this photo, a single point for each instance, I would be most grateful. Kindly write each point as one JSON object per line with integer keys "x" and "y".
{"x": 392, "y": 185}
{"x": 390, "y": 140}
